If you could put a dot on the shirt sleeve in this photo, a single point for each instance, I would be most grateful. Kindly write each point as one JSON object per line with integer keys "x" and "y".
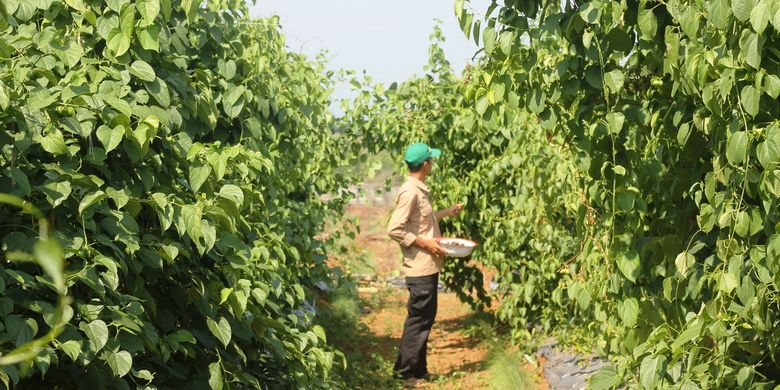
{"x": 396, "y": 229}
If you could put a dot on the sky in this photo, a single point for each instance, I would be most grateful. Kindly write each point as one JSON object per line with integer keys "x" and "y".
{"x": 387, "y": 39}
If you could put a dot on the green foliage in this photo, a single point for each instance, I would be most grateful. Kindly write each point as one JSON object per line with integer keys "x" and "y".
{"x": 506, "y": 371}
{"x": 178, "y": 151}
{"x": 618, "y": 161}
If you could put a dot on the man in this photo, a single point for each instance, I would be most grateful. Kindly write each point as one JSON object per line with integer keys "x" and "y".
{"x": 414, "y": 225}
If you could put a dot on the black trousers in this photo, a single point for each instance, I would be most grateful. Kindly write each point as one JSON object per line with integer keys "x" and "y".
{"x": 420, "y": 314}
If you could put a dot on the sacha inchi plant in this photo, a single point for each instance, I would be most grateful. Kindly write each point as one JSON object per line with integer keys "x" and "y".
{"x": 618, "y": 160}
{"x": 177, "y": 151}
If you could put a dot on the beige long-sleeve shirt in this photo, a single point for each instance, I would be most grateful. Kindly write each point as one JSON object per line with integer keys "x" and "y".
{"x": 414, "y": 217}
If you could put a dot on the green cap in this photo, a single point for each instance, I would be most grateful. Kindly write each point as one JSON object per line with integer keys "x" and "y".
{"x": 418, "y": 153}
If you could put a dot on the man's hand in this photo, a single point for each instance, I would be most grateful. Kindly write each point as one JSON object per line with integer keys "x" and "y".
{"x": 456, "y": 209}
{"x": 431, "y": 246}
{"x": 449, "y": 212}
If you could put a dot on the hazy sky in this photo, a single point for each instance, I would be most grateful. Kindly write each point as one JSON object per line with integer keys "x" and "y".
{"x": 389, "y": 39}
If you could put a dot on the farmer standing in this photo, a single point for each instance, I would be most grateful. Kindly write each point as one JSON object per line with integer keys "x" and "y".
{"x": 414, "y": 225}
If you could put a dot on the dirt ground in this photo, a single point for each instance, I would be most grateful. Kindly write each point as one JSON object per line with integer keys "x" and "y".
{"x": 459, "y": 360}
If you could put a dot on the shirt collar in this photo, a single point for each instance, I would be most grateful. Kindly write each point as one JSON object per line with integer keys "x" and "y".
{"x": 419, "y": 183}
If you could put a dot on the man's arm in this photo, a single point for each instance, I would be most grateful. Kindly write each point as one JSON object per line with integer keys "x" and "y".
{"x": 448, "y": 212}
{"x": 396, "y": 229}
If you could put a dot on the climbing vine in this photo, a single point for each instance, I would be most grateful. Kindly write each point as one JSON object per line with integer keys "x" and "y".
{"x": 620, "y": 161}
{"x": 177, "y": 152}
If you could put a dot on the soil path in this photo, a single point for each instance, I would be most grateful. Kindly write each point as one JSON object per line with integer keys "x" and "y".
{"x": 458, "y": 359}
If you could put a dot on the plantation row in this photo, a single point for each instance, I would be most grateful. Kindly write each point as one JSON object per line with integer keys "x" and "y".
{"x": 176, "y": 154}
{"x": 620, "y": 162}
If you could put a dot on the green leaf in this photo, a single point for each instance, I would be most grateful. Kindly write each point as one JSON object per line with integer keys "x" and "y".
{"x": 496, "y": 92}
{"x": 742, "y": 225}
{"x": 768, "y": 153}
{"x": 628, "y": 310}
{"x": 227, "y": 69}
{"x": 720, "y": 13}
{"x": 149, "y": 37}
{"x": 536, "y": 101}
{"x": 54, "y": 143}
{"x": 320, "y": 332}
{"x": 142, "y": 70}
{"x": 737, "y": 148}
{"x": 683, "y": 262}
{"x": 220, "y": 330}
{"x": 192, "y": 215}
{"x": 772, "y": 83}
{"x": 751, "y": 98}
{"x": 127, "y": 18}
{"x": 5, "y": 101}
{"x": 590, "y": 12}
{"x": 742, "y": 8}
{"x": 593, "y": 77}
{"x": 629, "y": 265}
{"x": 118, "y": 104}
{"x": 650, "y": 371}
{"x": 615, "y": 121}
{"x": 97, "y": 333}
{"x": 6, "y": 379}
{"x": 199, "y": 173}
{"x": 683, "y": 133}
{"x": 605, "y": 379}
{"x": 689, "y": 22}
{"x": 224, "y": 295}
{"x": 78, "y": 5}
{"x": 149, "y": 9}
{"x": 728, "y": 282}
{"x": 72, "y": 348}
{"x": 90, "y": 200}
{"x": 215, "y": 376}
{"x": 751, "y": 50}
{"x": 19, "y": 178}
{"x": 232, "y": 193}
{"x": 745, "y": 377}
{"x": 118, "y": 42}
{"x": 505, "y": 41}
{"x": 26, "y": 10}
{"x": 190, "y": 8}
{"x": 110, "y": 138}
{"x": 776, "y": 19}
{"x": 648, "y": 25}
{"x": 691, "y": 332}
{"x": 145, "y": 375}
{"x": 120, "y": 197}
{"x": 489, "y": 39}
{"x": 120, "y": 362}
{"x": 232, "y": 101}
{"x": 116, "y": 5}
{"x": 158, "y": 89}
{"x": 459, "y": 8}
{"x": 614, "y": 80}
{"x": 169, "y": 252}
{"x": 759, "y": 16}
{"x": 56, "y": 192}
{"x": 41, "y": 99}
{"x": 209, "y": 236}
{"x": 70, "y": 53}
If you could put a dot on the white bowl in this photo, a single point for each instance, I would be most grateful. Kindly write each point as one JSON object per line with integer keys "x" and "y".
{"x": 457, "y": 247}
